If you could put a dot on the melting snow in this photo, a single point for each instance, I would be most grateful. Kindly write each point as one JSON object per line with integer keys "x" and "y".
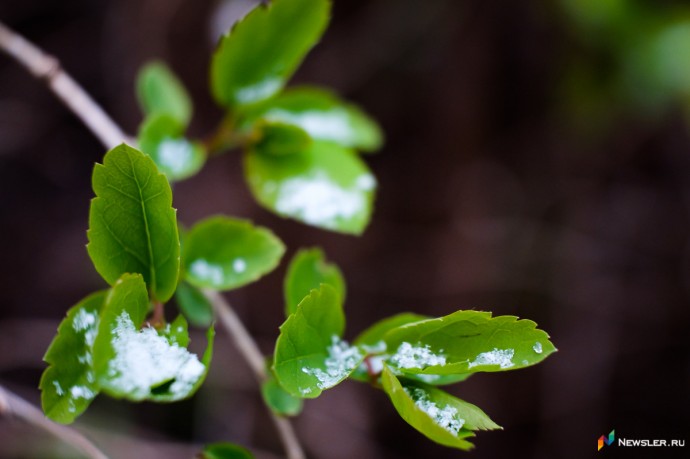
{"x": 239, "y": 265}
{"x": 342, "y": 359}
{"x": 175, "y": 154}
{"x": 503, "y": 358}
{"x": 446, "y": 417}
{"x": 537, "y": 347}
{"x": 206, "y": 271}
{"x": 409, "y": 356}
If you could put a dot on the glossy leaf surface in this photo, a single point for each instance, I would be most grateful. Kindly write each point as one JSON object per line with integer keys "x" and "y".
{"x": 160, "y": 92}
{"x": 322, "y": 115}
{"x": 225, "y": 451}
{"x": 140, "y": 364}
{"x": 161, "y": 137}
{"x": 467, "y": 342}
{"x": 436, "y": 414}
{"x": 225, "y": 253}
{"x": 308, "y": 269}
{"x": 68, "y": 385}
{"x": 132, "y": 225}
{"x": 194, "y": 305}
{"x": 262, "y": 51}
{"x": 326, "y": 186}
{"x": 372, "y": 337}
{"x": 310, "y": 355}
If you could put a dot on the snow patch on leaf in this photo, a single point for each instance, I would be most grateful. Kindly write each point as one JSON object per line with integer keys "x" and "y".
{"x": 500, "y": 357}
{"x": 409, "y": 356}
{"x": 341, "y": 361}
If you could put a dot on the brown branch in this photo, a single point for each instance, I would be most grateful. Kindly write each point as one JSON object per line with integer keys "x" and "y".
{"x": 251, "y": 353}
{"x": 47, "y": 68}
{"x": 13, "y": 405}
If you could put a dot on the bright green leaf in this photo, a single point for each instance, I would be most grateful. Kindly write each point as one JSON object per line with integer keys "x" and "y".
{"x": 194, "y": 305}
{"x": 276, "y": 138}
{"x": 326, "y": 186}
{"x": 278, "y": 399}
{"x": 467, "y": 342}
{"x": 160, "y": 92}
{"x": 140, "y": 364}
{"x": 68, "y": 385}
{"x": 225, "y": 253}
{"x": 161, "y": 137}
{"x": 132, "y": 225}
{"x": 308, "y": 269}
{"x": 262, "y": 51}
{"x": 176, "y": 332}
{"x": 322, "y": 115}
{"x": 372, "y": 337}
{"x": 225, "y": 451}
{"x": 310, "y": 355}
{"x": 439, "y": 416}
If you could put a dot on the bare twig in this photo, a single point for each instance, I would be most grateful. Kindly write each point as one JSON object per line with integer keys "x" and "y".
{"x": 47, "y": 68}
{"x": 251, "y": 353}
{"x": 13, "y": 405}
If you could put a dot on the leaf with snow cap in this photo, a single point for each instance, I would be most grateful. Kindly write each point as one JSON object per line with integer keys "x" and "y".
{"x": 467, "y": 342}
{"x": 307, "y": 270}
{"x": 310, "y": 355}
{"x": 224, "y": 253}
{"x": 436, "y": 414}
{"x": 68, "y": 385}
{"x": 132, "y": 225}
{"x": 140, "y": 364}
{"x": 326, "y": 185}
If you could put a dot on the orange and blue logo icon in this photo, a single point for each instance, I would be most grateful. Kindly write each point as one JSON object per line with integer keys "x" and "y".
{"x": 608, "y": 441}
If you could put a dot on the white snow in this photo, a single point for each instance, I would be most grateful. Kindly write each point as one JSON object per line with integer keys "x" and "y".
{"x": 409, "y": 356}
{"x": 537, "y": 347}
{"x": 342, "y": 359}
{"x": 207, "y": 271}
{"x": 501, "y": 357}
{"x": 446, "y": 417}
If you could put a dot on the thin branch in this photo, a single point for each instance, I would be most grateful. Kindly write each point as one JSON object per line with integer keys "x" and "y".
{"x": 13, "y": 405}
{"x": 251, "y": 353}
{"x": 47, "y": 68}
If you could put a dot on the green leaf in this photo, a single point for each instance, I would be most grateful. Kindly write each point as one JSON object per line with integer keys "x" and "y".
{"x": 439, "y": 416}
{"x": 160, "y": 92}
{"x": 262, "y": 51}
{"x": 276, "y": 138}
{"x": 68, "y": 385}
{"x": 225, "y": 253}
{"x": 307, "y": 270}
{"x": 142, "y": 364}
{"x": 161, "y": 137}
{"x": 132, "y": 225}
{"x": 322, "y": 115}
{"x": 310, "y": 355}
{"x": 372, "y": 337}
{"x": 176, "y": 332}
{"x": 225, "y": 451}
{"x": 467, "y": 342}
{"x": 326, "y": 186}
{"x": 278, "y": 399}
{"x": 194, "y": 305}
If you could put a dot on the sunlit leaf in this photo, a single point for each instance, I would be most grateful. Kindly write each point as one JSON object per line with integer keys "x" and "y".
{"x": 322, "y": 115}
{"x": 161, "y": 137}
{"x": 310, "y": 355}
{"x": 68, "y": 385}
{"x": 194, "y": 305}
{"x": 132, "y": 225}
{"x": 308, "y": 269}
{"x": 224, "y": 253}
{"x": 262, "y": 51}
{"x": 160, "y": 92}
{"x": 326, "y": 186}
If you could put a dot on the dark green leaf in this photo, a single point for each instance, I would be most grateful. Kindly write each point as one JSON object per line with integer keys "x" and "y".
{"x": 225, "y": 253}
{"x": 68, "y": 385}
{"x": 439, "y": 416}
{"x": 225, "y": 451}
{"x": 307, "y": 271}
{"x": 372, "y": 337}
{"x": 280, "y": 139}
{"x": 141, "y": 364}
{"x": 132, "y": 225}
{"x": 194, "y": 305}
{"x": 467, "y": 342}
{"x": 310, "y": 355}
{"x": 278, "y": 399}
{"x": 327, "y": 186}
{"x": 161, "y": 137}
{"x": 322, "y": 115}
{"x": 262, "y": 51}
{"x": 160, "y": 92}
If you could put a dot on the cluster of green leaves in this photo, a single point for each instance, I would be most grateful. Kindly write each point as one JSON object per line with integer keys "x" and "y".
{"x": 300, "y": 144}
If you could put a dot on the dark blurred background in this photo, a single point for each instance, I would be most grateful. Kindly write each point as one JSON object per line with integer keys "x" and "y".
{"x": 537, "y": 164}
